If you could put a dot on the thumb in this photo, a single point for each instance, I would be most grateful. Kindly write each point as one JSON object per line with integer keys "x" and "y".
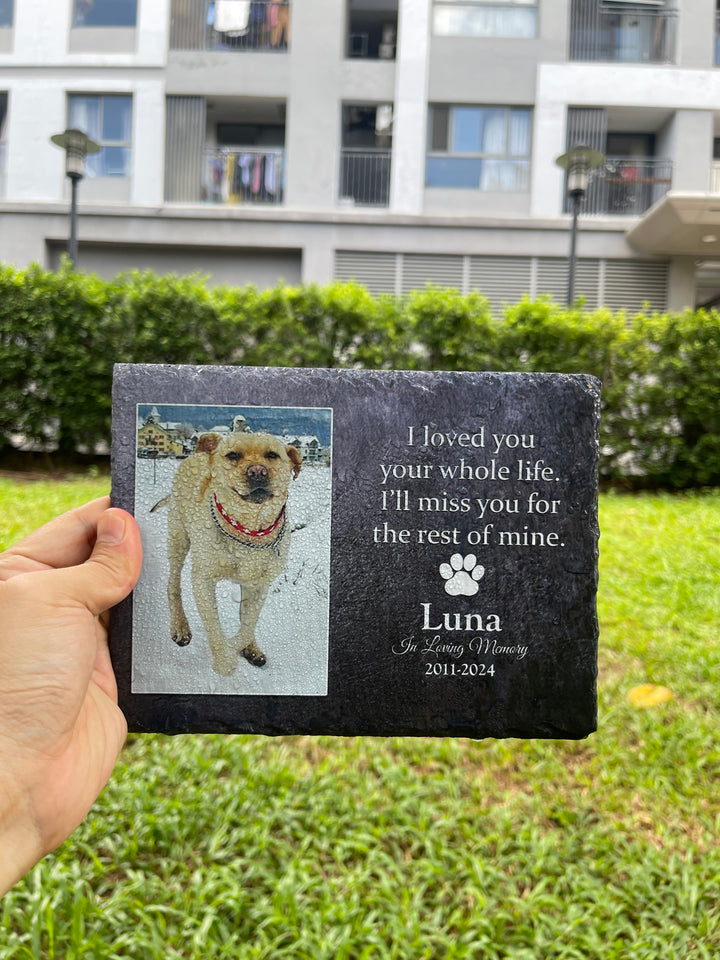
{"x": 113, "y": 567}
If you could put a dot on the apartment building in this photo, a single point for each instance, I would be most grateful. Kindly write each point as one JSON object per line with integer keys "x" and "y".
{"x": 393, "y": 141}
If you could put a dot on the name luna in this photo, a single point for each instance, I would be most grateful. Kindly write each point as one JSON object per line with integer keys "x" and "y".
{"x": 472, "y": 622}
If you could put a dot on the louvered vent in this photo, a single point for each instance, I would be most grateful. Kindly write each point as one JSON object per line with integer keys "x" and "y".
{"x": 501, "y": 279}
{"x": 376, "y": 271}
{"x": 188, "y": 24}
{"x": 552, "y": 280}
{"x": 630, "y": 284}
{"x": 184, "y": 142}
{"x": 587, "y": 282}
{"x": 420, "y": 269}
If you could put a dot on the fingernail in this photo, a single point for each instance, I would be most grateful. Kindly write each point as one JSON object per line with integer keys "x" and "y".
{"x": 111, "y": 527}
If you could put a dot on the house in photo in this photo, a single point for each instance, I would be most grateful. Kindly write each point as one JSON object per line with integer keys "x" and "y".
{"x": 156, "y": 439}
{"x": 309, "y": 447}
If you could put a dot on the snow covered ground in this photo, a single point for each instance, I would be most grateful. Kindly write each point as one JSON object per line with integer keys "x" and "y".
{"x": 293, "y": 626}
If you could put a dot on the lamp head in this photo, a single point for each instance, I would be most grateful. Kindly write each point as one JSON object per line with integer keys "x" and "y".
{"x": 579, "y": 162}
{"x": 77, "y": 145}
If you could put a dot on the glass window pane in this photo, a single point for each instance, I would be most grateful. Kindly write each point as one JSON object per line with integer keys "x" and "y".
{"x": 458, "y": 172}
{"x": 504, "y": 175}
{"x": 440, "y": 119}
{"x": 93, "y": 165}
{"x": 6, "y": 13}
{"x": 114, "y": 161}
{"x": 105, "y": 13}
{"x": 85, "y": 115}
{"x": 519, "y": 133}
{"x": 466, "y": 130}
{"x": 485, "y": 21}
{"x": 106, "y": 120}
{"x": 116, "y": 118}
{"x": 493, "y": 134}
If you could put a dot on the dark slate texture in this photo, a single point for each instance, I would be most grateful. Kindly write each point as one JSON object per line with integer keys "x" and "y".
{"x": 544, "y": 596}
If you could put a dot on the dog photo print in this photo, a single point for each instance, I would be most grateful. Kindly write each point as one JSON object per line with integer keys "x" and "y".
{"x": 234, "y": 507}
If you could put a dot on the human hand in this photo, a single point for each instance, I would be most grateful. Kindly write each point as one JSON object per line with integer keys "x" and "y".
{"x": 60, "y": 727}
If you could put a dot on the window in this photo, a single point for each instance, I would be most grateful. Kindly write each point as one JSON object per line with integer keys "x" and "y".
{"x": 106, "y": 120}
{"x": 105, "y": 13}
{"x": 479, "y": 148}
{"x": 6, "y": 13}
{"x": 485, "y": 18}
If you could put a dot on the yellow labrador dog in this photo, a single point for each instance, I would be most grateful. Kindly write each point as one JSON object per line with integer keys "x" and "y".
{"x": 228, "y": 508}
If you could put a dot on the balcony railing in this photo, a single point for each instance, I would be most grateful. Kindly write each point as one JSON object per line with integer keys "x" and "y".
{"x": 622, "y": 32}
{"x": 365, "y": 177}
{"x": 230, "y": 25}
{"x": 627, "y": 187}
{"x": 240, "y": 176}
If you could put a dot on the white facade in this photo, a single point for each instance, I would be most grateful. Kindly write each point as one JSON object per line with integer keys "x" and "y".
{"x": 395, "y": 141}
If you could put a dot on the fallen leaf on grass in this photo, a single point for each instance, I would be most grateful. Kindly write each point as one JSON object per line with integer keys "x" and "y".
{"x": 649, "y": 695}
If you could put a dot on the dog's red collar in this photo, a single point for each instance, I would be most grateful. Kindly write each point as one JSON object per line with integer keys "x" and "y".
{"x": 241, "y": 528}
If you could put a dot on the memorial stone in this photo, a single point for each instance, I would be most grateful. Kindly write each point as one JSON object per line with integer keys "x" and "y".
{"x": 358, "y": 552}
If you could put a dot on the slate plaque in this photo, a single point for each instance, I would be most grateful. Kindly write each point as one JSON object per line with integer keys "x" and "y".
{"x": 358, "y": 552}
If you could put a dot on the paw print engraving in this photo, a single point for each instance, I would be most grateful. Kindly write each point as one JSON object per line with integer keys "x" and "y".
{"x": 462, "y": 575}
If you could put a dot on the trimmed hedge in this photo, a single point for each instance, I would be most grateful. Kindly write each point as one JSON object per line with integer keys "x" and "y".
{"x": 61, "y": 332}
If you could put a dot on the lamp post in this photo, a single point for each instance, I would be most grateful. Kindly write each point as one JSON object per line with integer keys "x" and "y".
{"x": 578, "y": 162}
{"x": 77, "y": 145}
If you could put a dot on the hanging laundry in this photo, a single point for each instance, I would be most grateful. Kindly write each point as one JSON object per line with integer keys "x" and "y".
{"x": 280, "y": 25}
{"x": 245, "y": 163}
{"x": 237, "y": 183}
{"x": 256, "y": 25}
{"x": 257, "y": 174}
{"x": 232, "y": 197}
{"x": 271, "y": 15}
{"x": 232, "y": 17}
{"x": 273, "y": 173}
{"x": 214, "y": 180}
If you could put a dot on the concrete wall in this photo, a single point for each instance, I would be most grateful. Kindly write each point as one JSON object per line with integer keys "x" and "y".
{"x": 43, "y": 36}
{"x": 696, "y": 34}
{"x": 410, "y": 107}
{"x": 235, "y": 268}
{"x": 688, "y": 138}
{"x": 497, "y": 70}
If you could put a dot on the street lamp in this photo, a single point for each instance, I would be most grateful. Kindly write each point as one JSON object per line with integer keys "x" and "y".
{"x": 578, "y": 162}
{"x": 77, "y": 145}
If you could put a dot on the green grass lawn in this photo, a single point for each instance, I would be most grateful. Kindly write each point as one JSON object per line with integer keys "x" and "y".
{"x": 330, "y": 848}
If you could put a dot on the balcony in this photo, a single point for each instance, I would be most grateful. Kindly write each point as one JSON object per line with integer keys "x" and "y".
{"x": 627, "y": 187}
{"x": 371, "y": 29}
{"x": 240, "y": 176}
{"x": 365, "y": 177}
{"x": 622, "y": 32}
{"x": 228, "y": 25}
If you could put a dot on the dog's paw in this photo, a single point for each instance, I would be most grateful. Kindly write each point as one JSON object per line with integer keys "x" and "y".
{"x": 182, "y": 637}
{"x": 461, "y": 575}
{"x": 225, "y": 664}
{"x": 254, "y": 656}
